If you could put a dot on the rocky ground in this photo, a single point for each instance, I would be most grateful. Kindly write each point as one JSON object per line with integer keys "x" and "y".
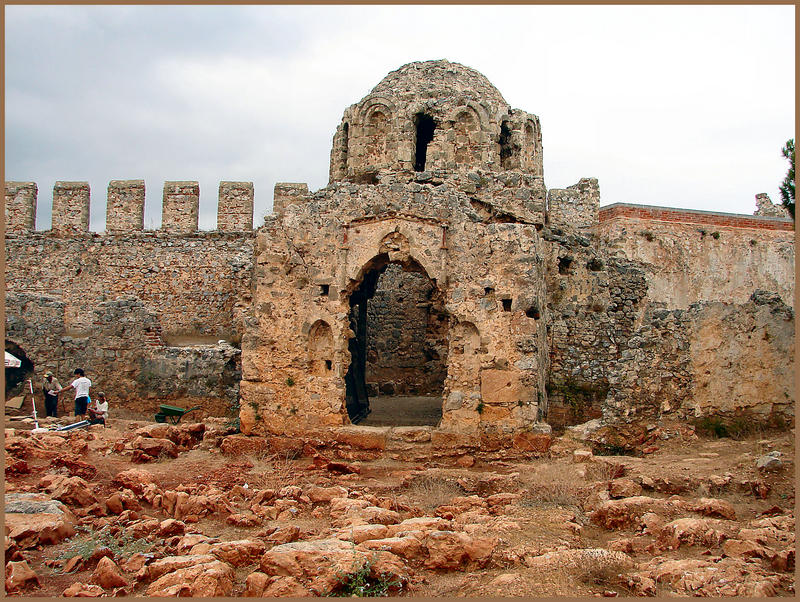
{"x": 146, "y": 509}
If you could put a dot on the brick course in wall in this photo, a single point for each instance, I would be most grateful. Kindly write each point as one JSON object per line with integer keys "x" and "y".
{"x": 686, "y": 216}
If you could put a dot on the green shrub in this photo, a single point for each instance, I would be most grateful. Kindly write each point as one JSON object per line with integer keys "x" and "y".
{"x": 122, "y": 546}
{"x": 358, "y": 582}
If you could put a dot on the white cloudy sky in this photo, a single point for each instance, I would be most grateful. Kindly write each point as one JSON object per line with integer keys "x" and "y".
{"x": 682, "y": 106}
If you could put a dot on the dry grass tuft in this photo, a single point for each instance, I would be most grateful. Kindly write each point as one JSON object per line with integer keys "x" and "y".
{"x": 550, "y": 484}
{"x": 429, "y": 491}
{"x": 273, "y": 471}
{"x": 600, "y": 470}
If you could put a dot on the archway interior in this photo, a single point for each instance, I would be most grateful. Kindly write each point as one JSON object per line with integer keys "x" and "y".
{"x": 399, "y": 351}
{"x": 16, "y": 378}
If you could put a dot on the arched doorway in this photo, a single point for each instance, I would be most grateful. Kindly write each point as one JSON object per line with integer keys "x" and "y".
{"x": 16, "y": 377}
{"x": 399, "y": 348}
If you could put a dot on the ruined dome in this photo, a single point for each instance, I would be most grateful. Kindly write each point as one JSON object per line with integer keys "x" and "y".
{"x": 434, "y": 116}
{"x": 439, "y": 82}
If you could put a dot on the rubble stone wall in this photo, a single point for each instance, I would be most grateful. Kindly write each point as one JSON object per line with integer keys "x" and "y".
{"x": 488, "y": 273}
{"x": 577, "y": 206}
{"x": 618, "y": 354}
{"x": 406, "y": 336}
{"x": 136, "y": 309}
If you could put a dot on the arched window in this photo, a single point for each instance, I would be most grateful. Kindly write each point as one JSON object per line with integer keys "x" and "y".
{"x": 425, "y": 126}
{"x": 344, "y": 148}
{"x": 508, "y": 151}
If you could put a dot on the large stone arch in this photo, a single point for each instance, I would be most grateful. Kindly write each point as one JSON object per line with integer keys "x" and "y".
{"x": 393, "y": 249}
{"x": 424, "y": 245}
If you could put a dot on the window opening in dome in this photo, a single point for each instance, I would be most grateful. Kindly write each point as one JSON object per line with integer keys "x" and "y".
{"x": 425, "y": 126}
{"x": 345, "y": 143}
{"x": 506, "y": 148}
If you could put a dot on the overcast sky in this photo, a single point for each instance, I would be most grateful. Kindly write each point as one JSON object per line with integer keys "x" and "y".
{"x": 679, "y": 106}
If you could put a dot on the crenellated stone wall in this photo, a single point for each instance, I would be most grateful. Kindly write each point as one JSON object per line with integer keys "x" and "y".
{"x": 435, "y": 261}
{"x": 134, "y": 308}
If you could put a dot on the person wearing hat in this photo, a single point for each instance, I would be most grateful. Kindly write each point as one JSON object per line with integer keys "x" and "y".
{"x": 51, "y": 387}
{"x": 98, "y": 410}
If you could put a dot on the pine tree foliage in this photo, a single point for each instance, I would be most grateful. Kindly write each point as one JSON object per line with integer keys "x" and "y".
{"x": 787, "y": 186}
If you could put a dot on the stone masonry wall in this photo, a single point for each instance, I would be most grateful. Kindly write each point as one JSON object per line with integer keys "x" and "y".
{"x": 407, "y": 342}
{"x": 577, "y": 206}
{"x": 707, "y": 257}
{"x": 620, "y": 353}
{"x": 486, "y": 264}
{"x": 135, "y": 308}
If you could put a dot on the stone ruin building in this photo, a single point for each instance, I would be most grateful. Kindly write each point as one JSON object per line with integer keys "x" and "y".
{"x": 435, "y": 263}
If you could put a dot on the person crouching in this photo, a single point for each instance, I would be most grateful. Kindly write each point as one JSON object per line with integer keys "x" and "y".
{"x": 98, "y": 410}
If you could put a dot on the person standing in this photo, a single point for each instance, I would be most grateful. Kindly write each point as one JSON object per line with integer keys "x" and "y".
{"x": 51, "y": 388}
{"x": 81, "y": 385}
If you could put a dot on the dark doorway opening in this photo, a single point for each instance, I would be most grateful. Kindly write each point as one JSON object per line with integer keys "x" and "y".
{"x": 16, "y": 378}
{"x": 399, "y": 351}
{"x": 425, "y": 126}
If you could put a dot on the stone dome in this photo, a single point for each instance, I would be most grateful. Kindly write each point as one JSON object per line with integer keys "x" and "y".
{"x": 433, "y": 116}
{"x": 441, "y": 82}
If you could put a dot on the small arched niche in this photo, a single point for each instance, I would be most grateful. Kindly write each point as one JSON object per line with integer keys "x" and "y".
{"x": 467, "y": 127}
{"x": 464, "y": 356}
{"x": 377, "y": 132}
{"x": 320, "y": 348}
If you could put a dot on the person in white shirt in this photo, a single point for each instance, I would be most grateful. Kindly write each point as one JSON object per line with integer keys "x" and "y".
{"x": 81, "y": 385}
{"x": 98, "y": 410}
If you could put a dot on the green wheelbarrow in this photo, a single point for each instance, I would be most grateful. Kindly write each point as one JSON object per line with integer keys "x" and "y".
{"x": 172, "y": 414}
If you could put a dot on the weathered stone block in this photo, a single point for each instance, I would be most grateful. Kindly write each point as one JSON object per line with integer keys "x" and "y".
{"x": 363, "y": 437}
{"x": 500, "y": 386}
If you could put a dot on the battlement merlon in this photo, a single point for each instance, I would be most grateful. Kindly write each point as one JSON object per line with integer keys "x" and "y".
{"x": 180, "y": 207}
{"x": 125, "y": 206}
{"x": 577, "y": 206}
{"x": 235, "y": 207}
{"x": 21, "y": 206}
{"x": 288, "y": 193}
{"x": 71, "y": 207}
